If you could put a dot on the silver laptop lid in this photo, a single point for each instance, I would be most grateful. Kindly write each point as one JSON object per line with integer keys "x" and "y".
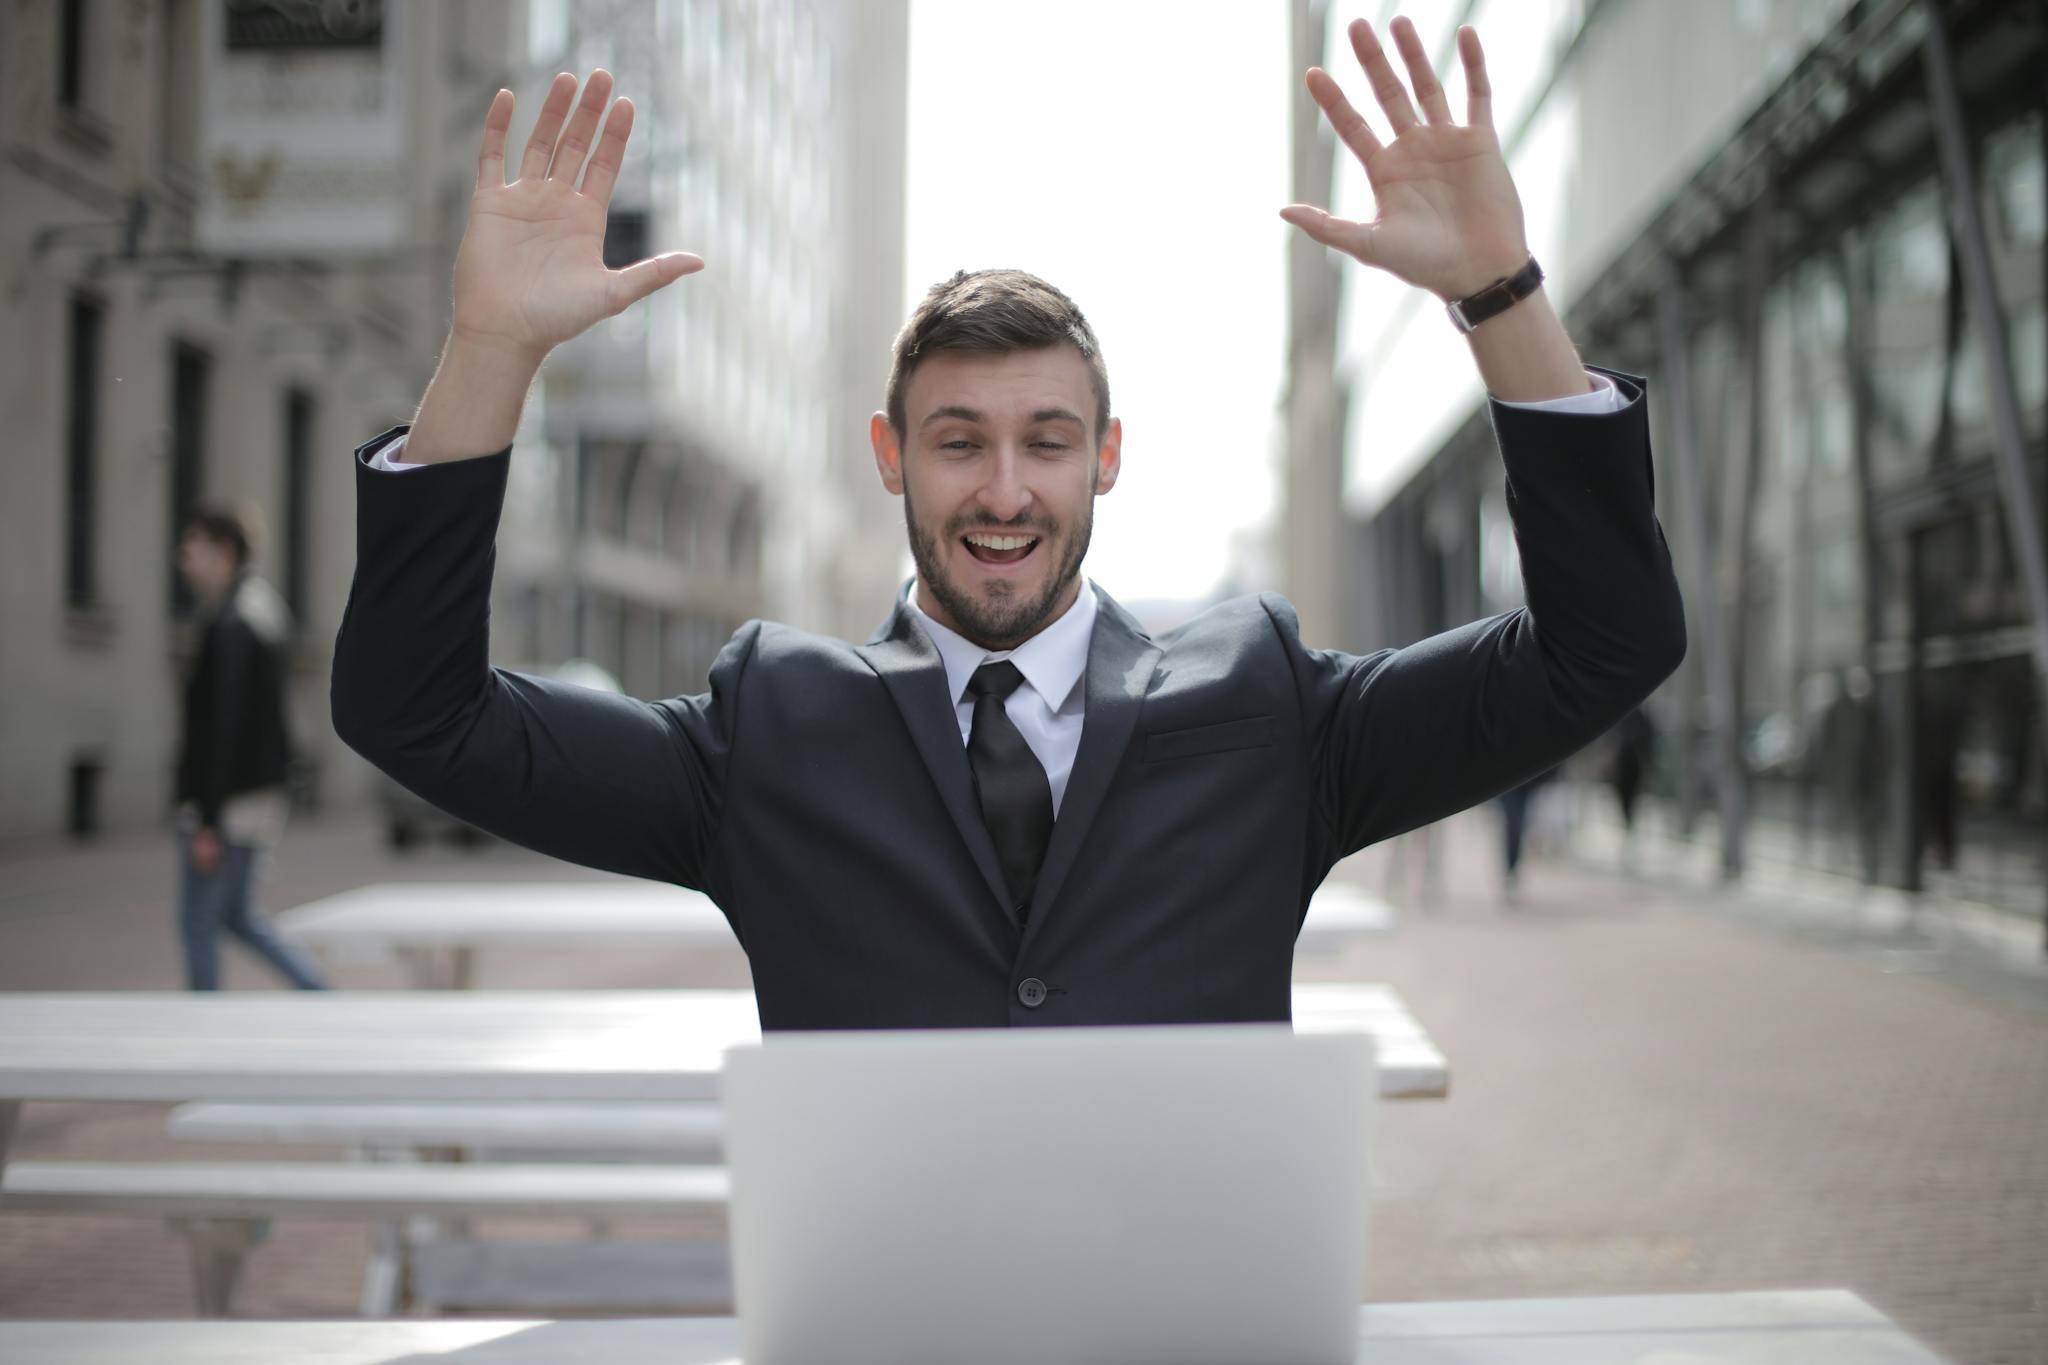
{"x": 1189, "y": 1195}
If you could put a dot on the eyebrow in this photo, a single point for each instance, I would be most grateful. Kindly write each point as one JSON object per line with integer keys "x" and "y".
{"x": 970, "y": 415}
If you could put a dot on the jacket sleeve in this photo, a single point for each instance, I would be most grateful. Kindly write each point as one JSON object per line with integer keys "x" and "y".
{"x": 1406, "y": 736}
{"x": 584, "y": 775}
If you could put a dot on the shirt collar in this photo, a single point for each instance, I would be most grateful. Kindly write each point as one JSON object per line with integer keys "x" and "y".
{"x": 1052, "y": 661}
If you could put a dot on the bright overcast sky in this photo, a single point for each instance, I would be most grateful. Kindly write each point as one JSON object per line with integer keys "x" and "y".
{"x": 1136, "y": 156}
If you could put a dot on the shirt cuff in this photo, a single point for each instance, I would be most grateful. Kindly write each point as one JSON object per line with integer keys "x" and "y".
{"x": 386, "y": 456}
{"x": 1605, "y": 397}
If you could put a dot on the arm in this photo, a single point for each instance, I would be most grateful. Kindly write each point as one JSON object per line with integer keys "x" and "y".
{"x": 1404, "y": 737}
{"x": 230, "y": 646}
{"x": 1407, "y": 736}
{"x": 587, "y": 776}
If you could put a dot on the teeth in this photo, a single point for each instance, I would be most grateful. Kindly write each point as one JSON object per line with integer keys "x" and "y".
{"x": 987, "y": 542}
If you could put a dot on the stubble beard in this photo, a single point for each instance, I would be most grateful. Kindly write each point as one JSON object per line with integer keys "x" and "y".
{"x": 1002, "y": 620}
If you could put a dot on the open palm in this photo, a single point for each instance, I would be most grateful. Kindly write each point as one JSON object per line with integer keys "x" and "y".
{"x": 1447, "y": 216}
{"x": 530, "y": 273}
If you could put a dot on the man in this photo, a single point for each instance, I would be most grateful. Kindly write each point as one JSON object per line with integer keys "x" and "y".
{"x": 1011, "y": 807}
{"x": 234, "y": 752}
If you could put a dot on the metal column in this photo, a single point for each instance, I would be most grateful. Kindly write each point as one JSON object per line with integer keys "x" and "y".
{"x": 1705, "y": 616}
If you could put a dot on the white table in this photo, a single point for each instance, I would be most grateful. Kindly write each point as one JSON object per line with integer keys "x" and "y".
{"x": 1787, "y": 1327}
{"x": 438, "y": 928}
{"x": 471, "y": 1045}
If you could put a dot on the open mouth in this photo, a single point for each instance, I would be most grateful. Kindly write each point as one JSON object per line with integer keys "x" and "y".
{"x": 989, "y": 547}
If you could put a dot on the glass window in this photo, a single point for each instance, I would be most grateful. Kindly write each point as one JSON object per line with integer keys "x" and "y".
{"x": 2018, "y": 189}
{"x": 2027, "y": 329}
{"x": 547, "y": 32}
{"x": 81, "y": 492}
{"x": 1911, "y": 245}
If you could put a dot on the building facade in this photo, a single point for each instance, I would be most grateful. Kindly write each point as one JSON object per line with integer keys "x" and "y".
{"x": 228, "y": 232}
{"x": 702, "y": 458}
{"x": 1825, "y": 249}
{"x": 143, "y": 367}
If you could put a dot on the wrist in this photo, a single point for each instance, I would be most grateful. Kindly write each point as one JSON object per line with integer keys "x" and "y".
{"x": 1524, "y": 355}
{"x": 472, "y": 406}
{"x": 1482, "y": 273}
{"x": 485, "y": 350}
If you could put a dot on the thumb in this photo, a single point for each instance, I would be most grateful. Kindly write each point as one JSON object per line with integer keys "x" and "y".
{"x": 627, "y": 287}
{"x": 1341, "y": 233}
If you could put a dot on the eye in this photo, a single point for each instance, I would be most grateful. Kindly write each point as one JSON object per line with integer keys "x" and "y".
{"x": 1050, "y": 445}
{"x": 957, "y": 443}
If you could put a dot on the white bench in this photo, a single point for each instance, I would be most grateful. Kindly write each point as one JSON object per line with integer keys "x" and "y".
{"x": 620, "y": 1277}
{"x": 680, "y": 1130}
{"x": 224, "y": 1209}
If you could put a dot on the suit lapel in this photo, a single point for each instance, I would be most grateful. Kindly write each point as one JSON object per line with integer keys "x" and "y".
{"x": 1120, "y": 663}
{"x": 909, "y": 666}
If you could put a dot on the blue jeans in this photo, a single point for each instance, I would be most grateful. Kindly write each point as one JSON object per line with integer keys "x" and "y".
{"x": 209, "y": 903}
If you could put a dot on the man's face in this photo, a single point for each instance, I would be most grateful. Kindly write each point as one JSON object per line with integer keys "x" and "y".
{"x": 999, "y": 468}
{"x": 207, "y": 565}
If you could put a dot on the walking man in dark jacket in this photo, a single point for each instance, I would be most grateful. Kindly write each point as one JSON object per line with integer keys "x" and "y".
{"x": 234, "y": 753}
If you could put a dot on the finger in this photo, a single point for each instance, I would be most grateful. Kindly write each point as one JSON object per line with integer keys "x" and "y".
{"x": 1347, "y": 122}
{"x": 1386, "y": 86}
{"x": 1429, "y": 91}
{"x": 603, "y": 171}
{"x": 627, "y": 287}
{"x": 569, "y": 153}
{"x": 1330, "y": 230}
{"x": 490, "y": 163}
{"x": 540, "y": 147}
{"x": 1478, "y": 90}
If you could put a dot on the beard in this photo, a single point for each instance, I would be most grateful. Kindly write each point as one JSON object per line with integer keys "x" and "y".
{"x": 1004, "y": 619}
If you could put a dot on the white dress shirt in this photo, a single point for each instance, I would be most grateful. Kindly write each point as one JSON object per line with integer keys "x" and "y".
{"x": 1051, "y": 704}
{"x": 1049, "y": 707}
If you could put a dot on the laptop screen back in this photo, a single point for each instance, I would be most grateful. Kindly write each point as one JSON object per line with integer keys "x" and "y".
{"x": 1193, "y": 1195}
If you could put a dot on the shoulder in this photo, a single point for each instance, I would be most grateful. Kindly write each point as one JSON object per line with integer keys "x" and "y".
{"x": 768, "y": 653}
{"x": 258, "y": 608}
{"x": 1253, "y": 622}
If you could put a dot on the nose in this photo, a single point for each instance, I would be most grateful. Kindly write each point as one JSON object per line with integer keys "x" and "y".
{"x": 1004, "y": 494}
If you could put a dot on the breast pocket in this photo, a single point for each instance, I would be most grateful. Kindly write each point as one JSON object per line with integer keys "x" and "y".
{"x": 1253, "y": 732}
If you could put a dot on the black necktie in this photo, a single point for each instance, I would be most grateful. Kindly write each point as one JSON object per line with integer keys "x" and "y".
{"x": 1016, "y": 800}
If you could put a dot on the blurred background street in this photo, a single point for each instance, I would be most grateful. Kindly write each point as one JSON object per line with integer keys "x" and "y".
{"x": 1788, "y": 1026}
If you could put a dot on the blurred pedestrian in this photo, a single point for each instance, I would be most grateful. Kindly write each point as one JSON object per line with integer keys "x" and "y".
{"x": 1514, "y": 810}
{"x": 1635, "y": 749}
{"x": 234, "y": 752}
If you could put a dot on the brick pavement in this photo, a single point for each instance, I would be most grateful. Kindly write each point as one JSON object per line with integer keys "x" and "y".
{"x": 1649, "y": 1094}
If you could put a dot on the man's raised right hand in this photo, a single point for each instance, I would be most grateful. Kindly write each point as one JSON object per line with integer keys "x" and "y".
{"x": 530, "y": 273}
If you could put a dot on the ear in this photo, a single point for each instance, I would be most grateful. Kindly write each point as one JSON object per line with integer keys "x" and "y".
{"x": 1109, "y": 460}
{"x": 888, "y": 452}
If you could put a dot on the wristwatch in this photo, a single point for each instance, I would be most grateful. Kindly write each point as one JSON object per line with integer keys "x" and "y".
{"x": 1498, "y": 297}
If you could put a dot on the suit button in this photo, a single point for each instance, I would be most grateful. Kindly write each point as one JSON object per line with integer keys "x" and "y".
{"x": 1031, "y": 991}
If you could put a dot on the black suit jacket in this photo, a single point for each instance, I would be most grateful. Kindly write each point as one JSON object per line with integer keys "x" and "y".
{"x": 820, "y": 794}
{"x": 234, "y": 737}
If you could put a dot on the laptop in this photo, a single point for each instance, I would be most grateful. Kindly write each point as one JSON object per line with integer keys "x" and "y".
{"x": 1081, "y": 1196}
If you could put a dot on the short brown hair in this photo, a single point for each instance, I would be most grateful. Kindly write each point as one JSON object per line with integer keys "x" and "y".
{"x": 231, "y": 527}
{"x": 994, "y": 311}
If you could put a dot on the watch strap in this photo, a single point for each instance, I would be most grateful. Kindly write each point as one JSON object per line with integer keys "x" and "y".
{"x": 1496, "y": 298}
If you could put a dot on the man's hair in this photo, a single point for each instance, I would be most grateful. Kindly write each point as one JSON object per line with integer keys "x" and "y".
{"x": 996, "y": 312}
{"x": 223, "y": 525}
